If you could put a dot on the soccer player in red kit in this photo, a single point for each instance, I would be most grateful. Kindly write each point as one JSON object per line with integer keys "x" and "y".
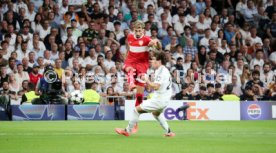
{"x": 137, "y": 60}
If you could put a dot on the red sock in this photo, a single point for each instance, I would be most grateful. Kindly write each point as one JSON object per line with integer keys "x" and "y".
{"x": 139, "y": 99}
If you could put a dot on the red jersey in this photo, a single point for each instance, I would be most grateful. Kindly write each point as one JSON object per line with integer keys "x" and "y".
{"x": 138, "y": 50}
{"x": 34, "y": 78}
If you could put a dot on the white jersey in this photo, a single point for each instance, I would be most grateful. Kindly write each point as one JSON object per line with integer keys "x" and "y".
{"x": 162, "y": 76}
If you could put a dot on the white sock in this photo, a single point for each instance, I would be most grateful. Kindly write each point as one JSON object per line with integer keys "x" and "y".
{"x": 133, "y": 121}
{"x": 161, "y": 119}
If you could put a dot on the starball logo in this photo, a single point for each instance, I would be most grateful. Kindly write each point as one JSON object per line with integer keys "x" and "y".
{"x": 254, "y": 111}
{"x": 193, "y": 113}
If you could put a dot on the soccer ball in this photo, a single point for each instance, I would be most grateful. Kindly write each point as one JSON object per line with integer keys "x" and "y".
{"x": 76, "y": 97}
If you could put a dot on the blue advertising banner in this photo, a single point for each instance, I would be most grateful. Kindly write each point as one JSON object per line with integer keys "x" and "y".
{"x": 3, "y": 114}
{"x": 38, "y": 112}
{"x": 90, "y": 112}
{"x": 256, "y": 111}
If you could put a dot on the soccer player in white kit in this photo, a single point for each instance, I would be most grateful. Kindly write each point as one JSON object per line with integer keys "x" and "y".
{"x": 160, "y": 99}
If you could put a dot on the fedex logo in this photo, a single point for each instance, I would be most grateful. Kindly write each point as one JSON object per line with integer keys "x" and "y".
{"x": 193, "y": 113}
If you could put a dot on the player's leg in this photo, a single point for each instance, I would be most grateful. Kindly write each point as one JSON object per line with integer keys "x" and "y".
{"x": 140, "y": 85}
{"x": 184, "y": 109}
{"x": 139, "y": 94}
{"x": 133, "y": 121}
{"x": 135, "y": 117}
{"x": 139, "y": 97}
{"x": 141, "y": 70}
{"x": 130, "y": 71}
{"x": 161, "y": 119}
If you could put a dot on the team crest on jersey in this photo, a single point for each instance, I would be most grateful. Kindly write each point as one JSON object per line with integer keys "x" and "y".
{"x": 140, "y": 42}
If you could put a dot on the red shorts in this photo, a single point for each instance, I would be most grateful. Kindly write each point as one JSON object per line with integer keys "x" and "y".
{"x": 140, "y": 68}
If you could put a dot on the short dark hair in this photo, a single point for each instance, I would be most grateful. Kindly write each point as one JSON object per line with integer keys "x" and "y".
{"x": 267, "y": 63}
{"x": 217, "y": 85}
{"x": 31, "y": 86}
{"x": 68, "y": 13}
{"x": 117, "y": 23}
{"x": 184, "y": 86}
{"x": 187, "y": 27}
{"x": 256, "y": 73}
{"x": 202, "y": 88}
{"x": 259, "y": 50}
{"x": 210, "y": 85}
{"x": 160, "y": 56}
{"x": 229, "y": 89}
{"x": 88, "y": 85}
{"x": 4, "y": 42}
{"x": 179, "y": 58}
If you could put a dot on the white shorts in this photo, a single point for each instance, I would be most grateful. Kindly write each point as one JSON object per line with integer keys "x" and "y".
{"x": 152, "y": 105}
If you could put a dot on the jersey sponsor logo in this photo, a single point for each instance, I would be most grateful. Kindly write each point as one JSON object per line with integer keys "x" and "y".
{"x": 254, "y": 111}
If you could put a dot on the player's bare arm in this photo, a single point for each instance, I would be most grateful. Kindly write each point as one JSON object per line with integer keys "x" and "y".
{"x": 155, "y": 43}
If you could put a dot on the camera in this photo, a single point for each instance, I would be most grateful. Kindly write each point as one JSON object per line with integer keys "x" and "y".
{"x": 54, "y": 87}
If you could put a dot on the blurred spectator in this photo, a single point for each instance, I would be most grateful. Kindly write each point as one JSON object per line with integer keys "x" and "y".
{"x": 271, "y": 30}
{"x": 229, "y": 96}
{"x": 201, "y": 57}
{"x": 258, "y": 60}
{"x": 21, "y": 75}
{"x": 24, "y": 88}
{"x": 202, "y": 94}
{"x": 184, "y": 36}
{"x": 3, "y": 61}
{"x": 190, "y": 49}
{"x": 258, "y": 91}
{"x": 14, "y": 85}
{"x": 90, "y": 33}
{"x": 29, "y": 95}
{"x": 170, "y": 60}
{"x": 179, "y": 66}
{"x": 179, "y": 25}
{"x": 11, "y": 65}
{"x": 192, "y": 18}
{"x": 3, "y": 75}
{"x": 219, "y": 92}
{"x": 255, "y": 80}
{"x": 90, "y": 95}
{"x": 34, "y": 75}
{"x": 254, "y": 38}
{"x": 248, "y": 95}
{"x": 202, "y": 25}
{"x": 178, "y": 53}
{"x": 184, "y": 94}
{"x": 236, "y": 86}
{"x": 110, "y": 92}
{"x": 249, "y": 12}
{"x": 267, "y": 76}
{"x": 130, "y": 94}
{"x": 172, "y": 46}
{"x": 6, "y": 94}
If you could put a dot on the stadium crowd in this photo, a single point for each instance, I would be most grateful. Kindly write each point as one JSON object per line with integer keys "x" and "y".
{"x": 209, "y": 44}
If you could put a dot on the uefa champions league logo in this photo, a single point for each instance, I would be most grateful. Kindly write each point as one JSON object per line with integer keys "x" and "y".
{"x": 254, "y": 111}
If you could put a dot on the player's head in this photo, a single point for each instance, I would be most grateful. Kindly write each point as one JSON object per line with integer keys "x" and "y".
{"x": 139, "y": 28}
{"x": 158, "y": 59}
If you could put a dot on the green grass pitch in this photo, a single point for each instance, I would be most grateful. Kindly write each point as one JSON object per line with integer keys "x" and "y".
{"x": 99, "y": 137}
